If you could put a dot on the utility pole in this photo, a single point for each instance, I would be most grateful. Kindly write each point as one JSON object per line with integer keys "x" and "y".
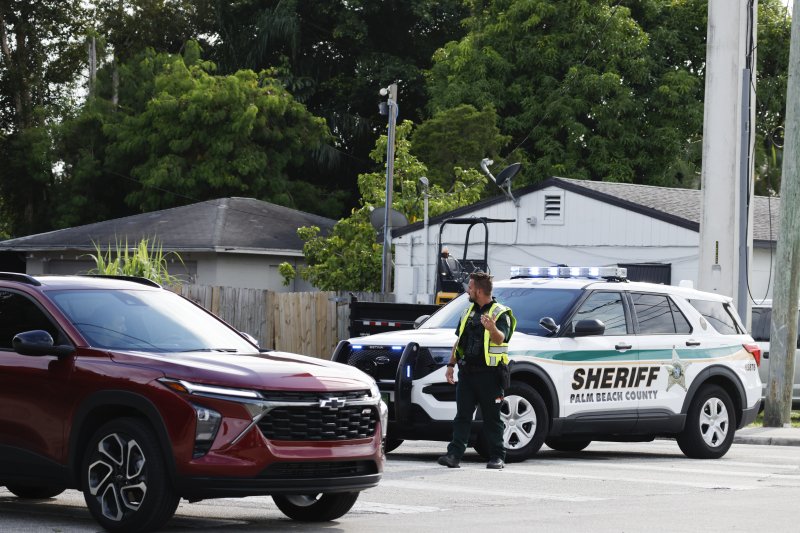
{"x": 783, "y": 330}
{"x": 425, "y": 195}
{"x": 726, "y": 223}
{"x": 386, "y": 262}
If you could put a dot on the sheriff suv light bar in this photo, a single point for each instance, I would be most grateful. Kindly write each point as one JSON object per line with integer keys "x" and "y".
{"x": 615, "y": 273}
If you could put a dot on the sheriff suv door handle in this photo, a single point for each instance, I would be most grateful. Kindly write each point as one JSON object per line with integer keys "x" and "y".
{"x": 621, "y": 346}
{"x": 692, "y": 343}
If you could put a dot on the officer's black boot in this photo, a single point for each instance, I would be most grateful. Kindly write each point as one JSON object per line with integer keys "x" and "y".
{"x": 450, "y": 461}
{"x": 495, "y": 463}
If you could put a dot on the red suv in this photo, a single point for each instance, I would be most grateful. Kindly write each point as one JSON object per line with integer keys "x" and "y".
{"x": 138, "y": 397}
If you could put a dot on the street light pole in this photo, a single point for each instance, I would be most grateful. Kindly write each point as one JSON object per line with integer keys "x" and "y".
{"x": 386, "y": 262}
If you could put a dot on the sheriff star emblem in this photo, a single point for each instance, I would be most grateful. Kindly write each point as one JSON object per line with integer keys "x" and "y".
{"x": 676, "y": 371}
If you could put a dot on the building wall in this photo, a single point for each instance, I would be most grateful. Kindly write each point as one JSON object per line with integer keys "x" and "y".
{"x": 78, "y": 262}
{"x": 249, "y": 271}
{"x": 588, "y": 232}
{"x": 228, "y": 270}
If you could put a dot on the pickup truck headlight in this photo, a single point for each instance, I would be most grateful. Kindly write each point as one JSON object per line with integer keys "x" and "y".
{"x": 441, "y": 355}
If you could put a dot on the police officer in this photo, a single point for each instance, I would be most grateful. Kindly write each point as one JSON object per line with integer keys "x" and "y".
{"x": 483, "y": 335}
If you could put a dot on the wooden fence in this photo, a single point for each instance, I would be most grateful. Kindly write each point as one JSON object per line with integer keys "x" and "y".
{"x": 308, "y": 323}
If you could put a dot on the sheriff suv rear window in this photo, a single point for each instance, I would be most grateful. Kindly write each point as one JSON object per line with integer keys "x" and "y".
{"x": 658, "y": 315}
{"x": 719, "y": 316}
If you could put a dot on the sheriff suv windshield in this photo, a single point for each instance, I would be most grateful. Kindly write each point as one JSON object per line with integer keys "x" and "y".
{"x": 529, "y": 304}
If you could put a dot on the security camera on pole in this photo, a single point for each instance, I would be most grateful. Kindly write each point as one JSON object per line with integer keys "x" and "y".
{"x": 389, "y": 107}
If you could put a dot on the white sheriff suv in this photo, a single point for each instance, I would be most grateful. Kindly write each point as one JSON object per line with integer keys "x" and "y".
{"x": 594, "y": 357}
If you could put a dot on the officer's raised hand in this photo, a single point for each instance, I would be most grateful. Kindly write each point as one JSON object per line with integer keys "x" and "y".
{"x": 490, "y": 325}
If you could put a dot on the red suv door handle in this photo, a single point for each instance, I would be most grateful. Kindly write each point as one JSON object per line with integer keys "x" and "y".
{"x": 692, "y": 343}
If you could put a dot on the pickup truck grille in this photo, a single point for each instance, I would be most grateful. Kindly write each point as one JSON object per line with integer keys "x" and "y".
{"x": 381, "y": 363}
{"x": 304, "y": 423}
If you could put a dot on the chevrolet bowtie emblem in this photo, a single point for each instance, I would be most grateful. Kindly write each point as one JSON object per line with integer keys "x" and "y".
{"x": 332, "y": 403}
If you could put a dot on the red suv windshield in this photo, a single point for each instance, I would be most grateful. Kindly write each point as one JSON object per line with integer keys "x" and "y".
{"x": 152, "y": 321}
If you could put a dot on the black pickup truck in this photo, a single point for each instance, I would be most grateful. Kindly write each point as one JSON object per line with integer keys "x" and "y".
{"x": 368, "y": 318}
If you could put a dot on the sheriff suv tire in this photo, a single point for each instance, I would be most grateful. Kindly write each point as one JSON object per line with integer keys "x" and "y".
{"x": 526, "y": 421}
{"x": 567, "y": 445}
{"x": 125, "y": 481}
{"x": 710, "y": 424}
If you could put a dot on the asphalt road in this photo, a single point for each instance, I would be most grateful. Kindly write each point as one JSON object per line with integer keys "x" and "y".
{"x": 609, "y": 487}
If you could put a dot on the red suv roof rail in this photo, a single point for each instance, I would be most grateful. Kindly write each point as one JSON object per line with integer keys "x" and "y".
{"x": 135, "y": 279}
{"x": 22, "y": 278}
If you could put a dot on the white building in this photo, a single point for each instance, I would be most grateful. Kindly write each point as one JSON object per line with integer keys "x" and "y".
{"x": 582, "y": 223}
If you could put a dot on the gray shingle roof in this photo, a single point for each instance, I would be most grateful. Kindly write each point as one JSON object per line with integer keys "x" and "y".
{"x": 243, "y": 224}
{"x": 681, "y": 207}
{"x": 685, "y": 204}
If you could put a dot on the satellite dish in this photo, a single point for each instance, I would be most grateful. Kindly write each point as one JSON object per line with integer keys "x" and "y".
{"x": 503, "y": 180}
{"x": 507, "y": 174}
{"x": 396, "y": 218}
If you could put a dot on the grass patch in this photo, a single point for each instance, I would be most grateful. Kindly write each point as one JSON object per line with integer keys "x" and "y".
{"x": 795, "y": 419}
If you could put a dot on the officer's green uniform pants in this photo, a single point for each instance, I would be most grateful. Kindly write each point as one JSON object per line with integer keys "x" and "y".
{"x": 478, "y": 388}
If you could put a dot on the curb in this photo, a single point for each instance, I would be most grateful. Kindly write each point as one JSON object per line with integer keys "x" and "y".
{"x": 766, "y": 441}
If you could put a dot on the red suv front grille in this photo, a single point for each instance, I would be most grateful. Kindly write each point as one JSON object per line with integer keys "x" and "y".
{"x": 319, "y": 423}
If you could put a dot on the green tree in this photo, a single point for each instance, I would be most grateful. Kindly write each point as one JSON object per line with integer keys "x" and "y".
{"x": 566, "y": 79}
{"x": 132, "y": 26}
{"x": 774, "y": 32}
{"x": 334, "y": 56}
{"x": 209, "y": 136}
{"x": 457, "y": 137}
{"x": 40, "y": 56}
{"x": 672, "y": 94}
{"x": 350, "y": 257}
{"x": 182, "y": 134}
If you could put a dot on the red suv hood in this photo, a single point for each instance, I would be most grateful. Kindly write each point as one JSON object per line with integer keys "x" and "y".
{"x": 268, "y": 371}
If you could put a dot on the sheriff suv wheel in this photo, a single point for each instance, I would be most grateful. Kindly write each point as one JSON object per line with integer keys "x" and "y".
{"x": 567, "y": 445}
{"x": 316, "y": 507}
{"x": 524, "y": 415}
{"x": 710, "y": 424}
{"x": 125, "y": 481}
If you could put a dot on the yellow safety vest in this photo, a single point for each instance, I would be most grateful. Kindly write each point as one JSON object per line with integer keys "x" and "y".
{"x": 494, "y": 354}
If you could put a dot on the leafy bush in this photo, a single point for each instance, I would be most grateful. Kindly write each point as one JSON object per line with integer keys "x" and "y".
{"x": 145, "y": 261}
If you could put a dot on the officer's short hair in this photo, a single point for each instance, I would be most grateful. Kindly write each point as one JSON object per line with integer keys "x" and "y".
{"x": 482, "y": 281}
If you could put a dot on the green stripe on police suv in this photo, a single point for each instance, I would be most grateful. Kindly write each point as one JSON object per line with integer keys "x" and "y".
{"x": 613, "y": 355}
